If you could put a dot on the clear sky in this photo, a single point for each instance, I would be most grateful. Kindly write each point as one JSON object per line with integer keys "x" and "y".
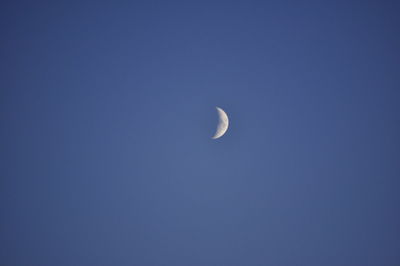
{"x": 107, "y": 109}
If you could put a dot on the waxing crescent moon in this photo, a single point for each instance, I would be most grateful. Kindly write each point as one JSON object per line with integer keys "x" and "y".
{"x": 223, "y": 123}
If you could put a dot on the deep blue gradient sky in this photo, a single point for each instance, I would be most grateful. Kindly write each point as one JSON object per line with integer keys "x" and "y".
{"x": 107, "y": 111}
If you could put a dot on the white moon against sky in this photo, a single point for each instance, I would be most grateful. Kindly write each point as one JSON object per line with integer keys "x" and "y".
{"x": 223, "y": 123}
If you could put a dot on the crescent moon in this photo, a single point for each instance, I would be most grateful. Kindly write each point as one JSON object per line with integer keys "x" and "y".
{"x": 223, "y": 123}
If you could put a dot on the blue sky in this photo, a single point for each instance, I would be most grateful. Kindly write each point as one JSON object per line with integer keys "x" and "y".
{"x": 107, "y": 112}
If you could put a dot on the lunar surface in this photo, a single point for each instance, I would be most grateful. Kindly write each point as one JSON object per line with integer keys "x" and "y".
{"x": 223, "y": 123}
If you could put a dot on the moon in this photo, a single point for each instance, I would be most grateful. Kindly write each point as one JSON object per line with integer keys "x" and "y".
{"x": 223, "y": 123}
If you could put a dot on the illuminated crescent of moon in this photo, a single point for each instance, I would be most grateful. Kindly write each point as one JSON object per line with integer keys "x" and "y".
{"x": 223, "y": 123}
